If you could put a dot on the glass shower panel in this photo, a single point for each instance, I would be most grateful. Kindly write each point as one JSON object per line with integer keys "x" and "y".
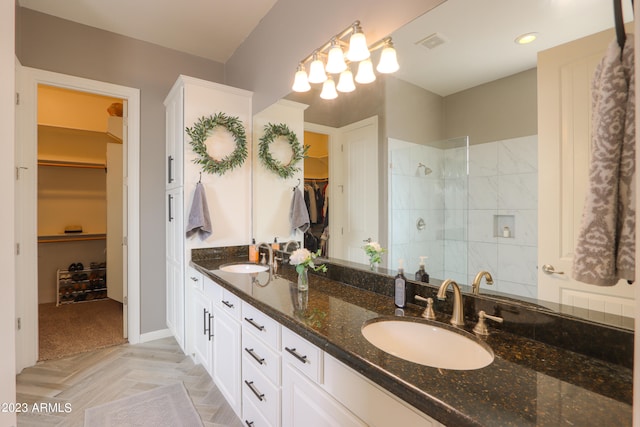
{"x": 423, "y": 180}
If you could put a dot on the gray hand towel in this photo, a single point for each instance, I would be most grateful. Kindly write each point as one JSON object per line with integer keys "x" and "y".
{"x": 298, "y": 214}
{"x": 605, "y": 250}
{"x": 199, "y": 221}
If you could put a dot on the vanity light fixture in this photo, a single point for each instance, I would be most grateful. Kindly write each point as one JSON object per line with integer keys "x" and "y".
{"x": 388, "y": 59}
{"x": 316, "y": 69}
{"x": 335, "y": 60}
{"x": 526, "y": 38}
{"x": 329, "y": 89}
{"x": 301, "y": 82}
{"x": 365, "y": 72}
{"x": 345, "y": 84}
{"x": 339, "y": 63}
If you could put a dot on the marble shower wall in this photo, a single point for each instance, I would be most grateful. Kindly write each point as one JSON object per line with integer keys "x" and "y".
{"x": 465, "y": 205}
{"x": 503, "y": 192}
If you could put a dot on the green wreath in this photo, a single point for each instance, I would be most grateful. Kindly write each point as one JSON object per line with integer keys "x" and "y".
{"x": 298, "y": 152}
{"x": 201, "y": 131}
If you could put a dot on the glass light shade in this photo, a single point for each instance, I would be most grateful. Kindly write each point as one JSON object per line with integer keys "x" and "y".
{"x": 316, "y": 71}
{"x": 335, "y": 63}
{"x": 301, "y": 81}
{"x": 329, "y": 89}
{"x": 345, "y": 84}
{"x": 365, "y": 72}
{"x": 388, "y": 60}
{"x": 358, "y": 50}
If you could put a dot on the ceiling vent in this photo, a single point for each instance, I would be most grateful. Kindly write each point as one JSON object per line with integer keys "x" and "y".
{"x": 432, "y": 41}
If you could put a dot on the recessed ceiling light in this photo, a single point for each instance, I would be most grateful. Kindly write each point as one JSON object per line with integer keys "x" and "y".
{"x": 526, "y": 38}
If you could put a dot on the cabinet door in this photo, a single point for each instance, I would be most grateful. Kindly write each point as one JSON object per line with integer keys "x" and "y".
{"x": 227, "y": 358}
{"x": 174, "y": 137}
{"x": 175, "y": 264}
{"x": 202, "y": 329}
{"x": 304, "y": 403}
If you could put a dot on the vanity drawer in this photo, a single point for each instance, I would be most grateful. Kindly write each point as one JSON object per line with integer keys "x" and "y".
{"x": 302, "y": 354}
{"x": 262, "y": 393}
{"x": 258, "y": 354}
{"x": 195, "y": 279}
{"x": 230, "y": 304}
{"x": 251, "y": 416}
{"x": 261, "y": 325}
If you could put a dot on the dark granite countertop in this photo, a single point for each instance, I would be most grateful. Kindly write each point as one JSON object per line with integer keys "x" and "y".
{"x": 528, "y": 384}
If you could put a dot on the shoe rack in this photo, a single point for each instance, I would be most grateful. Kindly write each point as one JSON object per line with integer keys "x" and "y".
{"x": 74, "y": 286}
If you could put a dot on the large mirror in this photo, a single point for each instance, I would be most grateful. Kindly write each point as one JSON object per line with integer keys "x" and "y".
{"x": 449, "y": 168}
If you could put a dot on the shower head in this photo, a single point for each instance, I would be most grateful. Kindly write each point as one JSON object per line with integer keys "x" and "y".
{"x": 427, "y": 170}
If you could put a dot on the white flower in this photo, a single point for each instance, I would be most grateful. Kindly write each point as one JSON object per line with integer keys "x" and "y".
{"x": 375, "y": 246}
{"x": 300, "y": 256}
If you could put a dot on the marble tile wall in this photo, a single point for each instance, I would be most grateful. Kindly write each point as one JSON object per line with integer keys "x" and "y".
{"x": 503, "y": 190}
{"x": 465, "y": 204}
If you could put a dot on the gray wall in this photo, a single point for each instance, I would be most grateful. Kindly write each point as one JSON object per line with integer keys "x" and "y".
{"x": 502, "y": 109}
{"x": 53, "y": 44}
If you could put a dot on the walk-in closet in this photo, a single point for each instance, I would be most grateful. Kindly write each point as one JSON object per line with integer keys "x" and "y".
{"x": 80, "y": 222}
{"x": 316, "y": 191}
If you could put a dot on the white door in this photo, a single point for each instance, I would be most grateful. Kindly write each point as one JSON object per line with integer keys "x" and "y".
{"x": 564, "y": 117}
{"x": 115, "y": 241}
{"x": 359, "y": 188}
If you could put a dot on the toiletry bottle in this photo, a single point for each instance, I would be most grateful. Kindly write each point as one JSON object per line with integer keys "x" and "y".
{"x": 275, "y": 245}
{"x": 400, "y": 289}
{"x": 506, "y": 232}
{"x": 421, "y": 274}
{"x": 253, "y": 251}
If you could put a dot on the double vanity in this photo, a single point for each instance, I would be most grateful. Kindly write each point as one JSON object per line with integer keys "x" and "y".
{"x": 342, "y": 353}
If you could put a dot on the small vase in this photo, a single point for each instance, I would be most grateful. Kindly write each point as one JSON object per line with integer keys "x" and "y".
{"x": 373, "y": 265}
{"x": 303, "y": 280}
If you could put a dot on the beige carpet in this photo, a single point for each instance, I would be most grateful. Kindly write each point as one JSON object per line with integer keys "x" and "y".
{"x": 77, "y": 328}
{"x": 166, "y": 406}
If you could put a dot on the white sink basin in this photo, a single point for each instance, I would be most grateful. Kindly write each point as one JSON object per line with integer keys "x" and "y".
{"x": 244, "y": 267}
{"x": 428, "y": 343}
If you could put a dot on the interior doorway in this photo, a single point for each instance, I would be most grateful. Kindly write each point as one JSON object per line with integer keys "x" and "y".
{"x": 80, "y": 222}
{"x": 26, "y": 218}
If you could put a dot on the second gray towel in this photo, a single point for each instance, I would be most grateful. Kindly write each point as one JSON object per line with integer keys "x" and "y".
{"x": 298, "y": 214}
{"x": 199, "y": 220}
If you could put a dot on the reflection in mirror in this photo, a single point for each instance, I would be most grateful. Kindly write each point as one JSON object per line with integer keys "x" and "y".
{"x": 457, "y": 79}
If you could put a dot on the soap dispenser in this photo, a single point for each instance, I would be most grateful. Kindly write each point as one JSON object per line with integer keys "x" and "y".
{"x": 275, "y": 245}
{"x": 400, "y": 287}
{"x": 253, "y": 251}
{"x": 421, "y": 274}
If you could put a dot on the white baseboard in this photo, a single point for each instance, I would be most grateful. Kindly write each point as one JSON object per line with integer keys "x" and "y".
{"x": 155, "y": 335}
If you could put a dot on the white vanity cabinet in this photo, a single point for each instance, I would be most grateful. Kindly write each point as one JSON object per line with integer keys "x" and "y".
{"x": 200, "y": 316}
{"x": 188, "y": 101}
{"x": 261, "y": 369}
{"x": 304, "y": 401}
{"x": 226, "y": 348}
{"x": 273, "y": 377}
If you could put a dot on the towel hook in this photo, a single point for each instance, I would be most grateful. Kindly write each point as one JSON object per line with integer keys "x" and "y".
{"x": 200, "y": 179}
{"x": 297, "y": 185}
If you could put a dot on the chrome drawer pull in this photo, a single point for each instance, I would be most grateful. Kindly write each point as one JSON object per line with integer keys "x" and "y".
{"x": 227, "y": 303}
{"x": 254, "y": 390}
{"x": 297, "y": 355}
{"x": 204, "y": 320}
{"x": 210, "y": 329}
{"x": 252, "y": 353}
{"x": 254, "y": 324}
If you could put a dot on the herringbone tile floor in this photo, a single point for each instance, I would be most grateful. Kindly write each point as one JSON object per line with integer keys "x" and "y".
{"x": 91, "y": 379}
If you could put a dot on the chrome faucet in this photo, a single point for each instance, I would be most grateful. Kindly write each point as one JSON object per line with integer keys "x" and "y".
{"x": 475, "y": 286}
{"x": 290, "y": 242}
{"x": 457, "y": 317}
{"x": 268, "y": 246}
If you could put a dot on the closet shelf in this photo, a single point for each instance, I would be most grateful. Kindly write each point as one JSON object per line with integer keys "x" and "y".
{"x": 70, "y": 164}
{"x": 71, "y": 237}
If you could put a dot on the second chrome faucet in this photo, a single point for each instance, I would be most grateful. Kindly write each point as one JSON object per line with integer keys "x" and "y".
{"x": 457, "y": 317}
